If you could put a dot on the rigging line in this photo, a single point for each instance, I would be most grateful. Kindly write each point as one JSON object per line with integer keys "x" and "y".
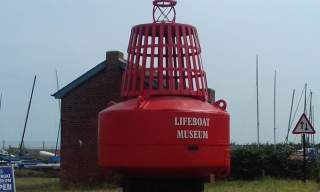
{"x": 295, "y": 113}
{"x": 290, "y": 116}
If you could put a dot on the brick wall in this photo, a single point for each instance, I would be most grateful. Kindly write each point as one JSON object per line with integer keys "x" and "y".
{"x": 79, "y": 116}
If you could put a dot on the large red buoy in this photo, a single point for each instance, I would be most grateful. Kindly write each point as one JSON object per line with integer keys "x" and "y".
{"x": 165, "y": 128}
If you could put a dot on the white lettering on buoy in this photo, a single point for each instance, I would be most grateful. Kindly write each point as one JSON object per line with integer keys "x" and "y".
{"x": 202, "y": 122}
{"x": 192, "y": 134}
{"x": 192, "y": 121}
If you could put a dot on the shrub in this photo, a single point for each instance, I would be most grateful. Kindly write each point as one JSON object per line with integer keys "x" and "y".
{"x": 251, "y": 162}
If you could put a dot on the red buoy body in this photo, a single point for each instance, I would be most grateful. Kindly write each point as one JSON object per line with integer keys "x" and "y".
{"x": 165, "y": 127}
{"x": 165, "y": 137}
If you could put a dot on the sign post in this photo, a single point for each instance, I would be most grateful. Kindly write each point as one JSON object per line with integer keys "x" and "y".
{"x": 7, "y": 179}
{"x": 304, "y": 127}
{"x": 304, "y": 158}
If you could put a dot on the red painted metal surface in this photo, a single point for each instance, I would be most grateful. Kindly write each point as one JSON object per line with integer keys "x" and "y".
{"x": 165, "y": 127}
{"x": 164, "y": 59}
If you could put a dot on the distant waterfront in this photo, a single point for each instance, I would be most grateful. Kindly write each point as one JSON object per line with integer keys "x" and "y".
{"x": 29, "y": 144}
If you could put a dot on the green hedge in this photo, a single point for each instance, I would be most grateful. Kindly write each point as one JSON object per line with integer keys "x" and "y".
{"x": 251, "y": 162}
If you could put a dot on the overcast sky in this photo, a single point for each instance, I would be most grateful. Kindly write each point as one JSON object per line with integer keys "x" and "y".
{"x": 72, "y": 36}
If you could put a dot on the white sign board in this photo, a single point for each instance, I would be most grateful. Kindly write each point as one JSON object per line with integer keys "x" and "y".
{"x": 303, "y": 126}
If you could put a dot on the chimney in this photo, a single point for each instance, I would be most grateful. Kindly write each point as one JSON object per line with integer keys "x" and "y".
{"x": 114, "y": 67}
{"x": 113, "y": 57}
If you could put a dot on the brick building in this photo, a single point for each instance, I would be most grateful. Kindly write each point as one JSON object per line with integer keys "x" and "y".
{"x": 81, "y": 101}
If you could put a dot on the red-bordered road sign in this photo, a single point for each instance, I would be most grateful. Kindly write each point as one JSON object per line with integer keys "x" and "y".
{"x": 303, "y": 126}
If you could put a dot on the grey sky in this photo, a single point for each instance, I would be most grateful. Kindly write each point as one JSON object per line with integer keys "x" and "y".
{"x": 72, "y": 36}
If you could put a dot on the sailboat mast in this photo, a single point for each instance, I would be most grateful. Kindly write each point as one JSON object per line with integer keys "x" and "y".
{"x": 313, "y": 123}
{"x": 274, "y": 107}
{"x": 59, "y": 103}
{"x": 310, "y": 107}
{"x": 305, "y": 98}
{"x": 257, "y": 89}
{"x": 310, "y": 116}
{"x": 304, "y": 108}
{"x": 0, "y": 101}
{"x": 27, "y": 116}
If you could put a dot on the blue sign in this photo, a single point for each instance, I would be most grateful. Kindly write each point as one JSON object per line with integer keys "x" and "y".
{"x": 7, "y": 182}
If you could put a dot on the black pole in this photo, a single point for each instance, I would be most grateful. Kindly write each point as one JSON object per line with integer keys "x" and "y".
{"x": 304, "y": 158}
{"x": 27, "y": 116}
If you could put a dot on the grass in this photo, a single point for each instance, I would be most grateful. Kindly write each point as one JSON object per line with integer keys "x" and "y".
{"x": 264, "y": 185}
{"x": 51, "y": 185}
{"x": 36, "y": 173}
{"x": 37, "y": 184}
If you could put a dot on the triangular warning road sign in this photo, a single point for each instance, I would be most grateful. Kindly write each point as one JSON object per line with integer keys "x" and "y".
{"x": 303, "y": 126}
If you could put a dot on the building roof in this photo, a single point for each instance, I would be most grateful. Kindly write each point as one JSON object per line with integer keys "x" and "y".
{"x": 86, "y": 76}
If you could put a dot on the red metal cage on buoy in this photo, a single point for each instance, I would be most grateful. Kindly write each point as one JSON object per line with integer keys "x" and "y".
{"x": 164, "y": 58}
{"x": 165, "y": 127}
